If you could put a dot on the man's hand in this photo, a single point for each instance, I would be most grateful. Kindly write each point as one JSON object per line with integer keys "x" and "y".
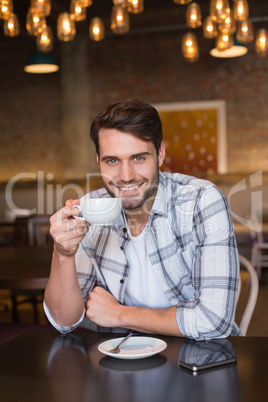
{"x": 66, "y": 231}
{"x": 103, "y": 308}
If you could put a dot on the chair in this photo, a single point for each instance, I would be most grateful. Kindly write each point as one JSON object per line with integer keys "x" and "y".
{"x": 259, "y": 255}
{"x": 37, "y": 234}
{"x": 259, "y": 252}
{"x": 4, "y": 306}
{"x": 21, "y": 231}
{"x": 38, "y": 230}
{"x": 253, "y": 282}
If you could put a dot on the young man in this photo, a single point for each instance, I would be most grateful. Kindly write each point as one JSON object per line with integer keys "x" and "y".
{"x": 168, "y": 265}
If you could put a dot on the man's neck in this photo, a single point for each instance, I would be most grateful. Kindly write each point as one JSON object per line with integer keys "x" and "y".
{"x": 137, "y": 220}
{"x": 136, "y": 227}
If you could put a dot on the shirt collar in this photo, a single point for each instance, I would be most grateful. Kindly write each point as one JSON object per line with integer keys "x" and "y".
{"x": 160, "y": 203}
{"x": 120, "y": 225}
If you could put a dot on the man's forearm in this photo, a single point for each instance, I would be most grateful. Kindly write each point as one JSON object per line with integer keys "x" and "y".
{"x": 63, "y": 296}
{"x": 157, "y": 321}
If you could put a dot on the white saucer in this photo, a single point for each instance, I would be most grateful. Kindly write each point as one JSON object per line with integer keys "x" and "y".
{"x": 136, "y": 347}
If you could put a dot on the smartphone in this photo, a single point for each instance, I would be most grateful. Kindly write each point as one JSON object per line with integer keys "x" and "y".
{"x": 196, "y": 368}
{"x": 203, "y": 355}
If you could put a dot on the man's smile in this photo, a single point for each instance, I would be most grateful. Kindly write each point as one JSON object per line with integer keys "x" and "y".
{"x": 128, "y": 189}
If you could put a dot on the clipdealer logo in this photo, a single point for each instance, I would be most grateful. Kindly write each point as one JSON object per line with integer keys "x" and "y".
{"x": 50, "y": 197}
{"x": 254, "y": 220}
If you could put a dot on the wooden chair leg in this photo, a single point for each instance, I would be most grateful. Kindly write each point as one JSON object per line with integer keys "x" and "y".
{"x": 35, "y": 311}
{"x": 15, "y": 316}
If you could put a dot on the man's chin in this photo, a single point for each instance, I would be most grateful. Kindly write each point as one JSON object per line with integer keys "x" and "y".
{"x": 130, "y": 206}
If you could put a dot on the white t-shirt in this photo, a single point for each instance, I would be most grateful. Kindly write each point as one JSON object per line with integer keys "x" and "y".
{"x": 143, "y": 288}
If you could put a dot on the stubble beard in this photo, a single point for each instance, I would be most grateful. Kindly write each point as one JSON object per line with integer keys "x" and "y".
{"x": 130, "y": 203}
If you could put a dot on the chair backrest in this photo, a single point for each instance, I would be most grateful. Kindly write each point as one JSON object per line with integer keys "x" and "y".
{"x": 253, "y": 282}
{"x": 21, "y": 231}
{"x": 256, "y": 229}
{"x": 38, "y": 230}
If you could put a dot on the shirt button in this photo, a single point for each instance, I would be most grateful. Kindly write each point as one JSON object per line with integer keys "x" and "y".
{"x": 122, "y": 281}
{"x": 121, "y": 247}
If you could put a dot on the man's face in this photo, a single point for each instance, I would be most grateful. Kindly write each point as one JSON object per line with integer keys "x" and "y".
{"x": 129, "y": 168}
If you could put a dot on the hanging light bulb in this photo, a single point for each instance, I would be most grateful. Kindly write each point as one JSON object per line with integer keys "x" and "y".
{"x": 240, "y": 10}
{"x": 12, "y": 26}
{"x": 79, "y": 12}
{"x": 85, "y": 3}
{"x": 193, "y": 15}
{"x": 182, "y": 1}
{"x": 135, "y": 6}
{"x": 6, "y": 8}
{"x": 34, "y": 23}
{"x": 41, "y": 7}
{"x": 96, "y": 29}
{"x": 228, "y": 25}
{"x": 119, "y": 19}
{"x": 209, "y": 28}
{"x": 219, "y": 10}
{"x": 190, "y": 47}
{"x": 66, "y": 27}
{"x": 44, "y": 41}
{"x": 261, "y": 42}
{"x": 122, "y": 3}
{"x": 245, "y": 32}
{"x": 224, "y": 41}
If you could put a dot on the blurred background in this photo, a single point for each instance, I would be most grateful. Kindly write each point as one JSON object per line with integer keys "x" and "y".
{"x": 45, "y": 151}
{"x": 45, "y": 118}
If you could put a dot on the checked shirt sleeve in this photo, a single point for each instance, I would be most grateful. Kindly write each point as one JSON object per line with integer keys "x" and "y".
{"x": 215, "y": 271}
{"x": 61, "y": 328}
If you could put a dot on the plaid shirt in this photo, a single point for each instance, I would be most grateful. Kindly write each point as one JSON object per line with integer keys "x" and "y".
{"x": 192, "y": 248}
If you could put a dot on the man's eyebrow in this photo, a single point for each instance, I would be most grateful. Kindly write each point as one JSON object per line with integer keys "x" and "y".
{"x": 109, "y": 157}
{"x": 140, "y": 154}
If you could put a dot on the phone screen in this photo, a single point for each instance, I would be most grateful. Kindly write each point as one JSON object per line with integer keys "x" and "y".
{"x": 201, "y": 355}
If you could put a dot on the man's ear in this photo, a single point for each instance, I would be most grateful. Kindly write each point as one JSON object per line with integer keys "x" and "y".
{"x": 98, "y": 159}
{"x": 162, "y": 154}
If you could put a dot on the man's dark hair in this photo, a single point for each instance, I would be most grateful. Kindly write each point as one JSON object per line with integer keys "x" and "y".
{"x": 130, "y": 116}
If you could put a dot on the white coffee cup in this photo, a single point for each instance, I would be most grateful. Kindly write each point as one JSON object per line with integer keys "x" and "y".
{"x": 99, "y": 211}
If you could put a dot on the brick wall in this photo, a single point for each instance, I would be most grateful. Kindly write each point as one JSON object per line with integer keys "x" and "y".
{"x": 30, "y": 135}
{"x": 145, "y": 66}
{"x": 151, "y": 68}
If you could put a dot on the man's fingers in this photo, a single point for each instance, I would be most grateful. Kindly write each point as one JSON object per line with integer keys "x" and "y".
{"x": 71, "y": 203}
{"x": 70, "y": 229}
{"x": 66, "y": 231}
{"x": 64, "y": 213}
{"x": 77, "y": 225}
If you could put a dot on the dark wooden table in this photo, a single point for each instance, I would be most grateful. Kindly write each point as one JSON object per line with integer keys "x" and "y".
{"x": 45, "y": 366}
{"x": 25, "y": 267}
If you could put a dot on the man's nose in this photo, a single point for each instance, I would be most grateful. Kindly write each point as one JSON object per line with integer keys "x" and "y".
{"x": 127, "y": 172}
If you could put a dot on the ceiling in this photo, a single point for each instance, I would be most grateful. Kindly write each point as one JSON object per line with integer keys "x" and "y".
{"x": 103, "y": 7}
{"x": 158, "y": 14}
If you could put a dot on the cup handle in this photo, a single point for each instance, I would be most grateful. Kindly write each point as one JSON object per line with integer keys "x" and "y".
{"x": 78, "y": 217}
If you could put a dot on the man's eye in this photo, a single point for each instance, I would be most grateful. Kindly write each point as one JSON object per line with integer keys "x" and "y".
{"x": 139, "y": 158}
{"x": 112, "y": 161}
